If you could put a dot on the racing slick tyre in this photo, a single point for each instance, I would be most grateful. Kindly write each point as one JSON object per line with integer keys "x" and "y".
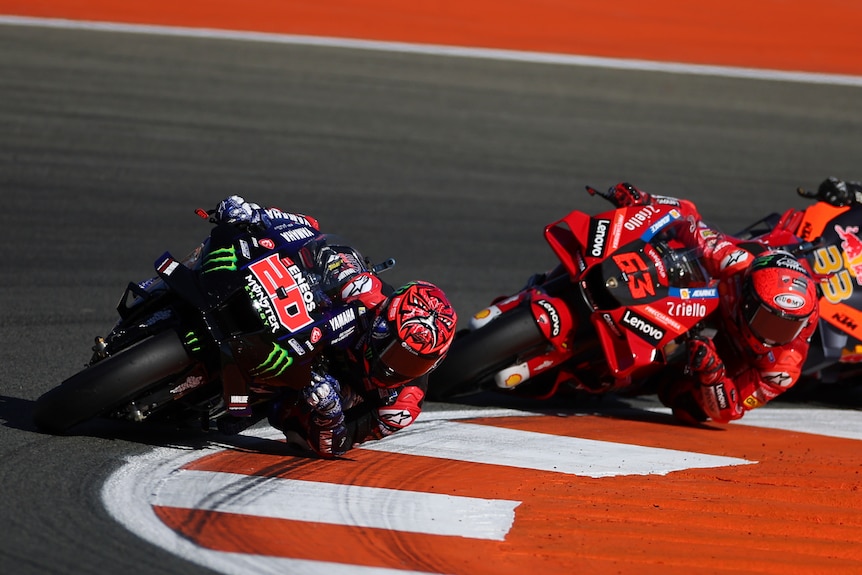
{"x": 110, "y": 383}
{"x": 476, "y": 355}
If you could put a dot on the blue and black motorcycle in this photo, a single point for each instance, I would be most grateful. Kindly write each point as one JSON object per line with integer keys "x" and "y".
{"x": 214, "y": 337}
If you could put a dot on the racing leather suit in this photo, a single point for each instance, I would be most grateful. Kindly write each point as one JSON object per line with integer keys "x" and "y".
{"x": 369, "y": 412}
{"x": 753, "y": 375}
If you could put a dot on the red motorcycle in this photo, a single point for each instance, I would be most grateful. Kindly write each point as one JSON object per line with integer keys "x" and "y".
{"x": 618, "y": 309}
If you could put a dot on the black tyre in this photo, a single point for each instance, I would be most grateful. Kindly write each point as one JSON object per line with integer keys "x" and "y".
{"x": 111, "y": 383}
{"x": 474, "y": 356}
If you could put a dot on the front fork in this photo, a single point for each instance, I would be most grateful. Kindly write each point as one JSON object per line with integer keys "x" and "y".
{"x": 555, "y": 320}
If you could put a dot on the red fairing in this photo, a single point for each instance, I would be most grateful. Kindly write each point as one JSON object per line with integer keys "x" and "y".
{"x": 652, "y": 271}
{"x": 629, "y": 340}
{"x": 553, "y": 318}
{"x": 633, "y": 332}
{"x": 580, "y": 240}
{"x": 568, "y": 238}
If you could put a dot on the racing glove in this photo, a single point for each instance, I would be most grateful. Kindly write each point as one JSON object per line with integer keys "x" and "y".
{"x": 625, "y": 195}
{"x": 678, "y": 393}
{"x": 704, "y": 362}
{"x": 327, "y": 433}
{"x": 235, "y": 209}
{"x": 323, "y": 396}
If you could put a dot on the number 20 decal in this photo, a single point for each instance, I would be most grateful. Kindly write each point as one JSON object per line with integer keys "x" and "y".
{"x": 283, "y": 291}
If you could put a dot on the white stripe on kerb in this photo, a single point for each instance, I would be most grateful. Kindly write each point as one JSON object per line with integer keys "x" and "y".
{"x": 530, "y": 450}
{"x": 829, "y": 422}
{"x": 130, "y": 491}
{"x": 351, "y": 505}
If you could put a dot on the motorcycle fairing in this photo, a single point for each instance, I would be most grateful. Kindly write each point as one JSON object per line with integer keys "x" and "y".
{"x": 816, "y": 218}
{"x": 493, "y": 311}
{"x": 635, "y": 336}
{"x": 263, "y": 299}
{"x": 553, "y": 318}
{"x": 639, "y": 309}
{"x": 843, "y": 317}
{"x": 838, "y": 263}
{"x": 568, "y": 238}
{"x": 580, "y": 240}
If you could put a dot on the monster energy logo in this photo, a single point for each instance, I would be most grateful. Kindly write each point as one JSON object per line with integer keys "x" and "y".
{"x": 274, "y": 365}
{"x": 221, "y": 259}
{"x": 192, "y": 342}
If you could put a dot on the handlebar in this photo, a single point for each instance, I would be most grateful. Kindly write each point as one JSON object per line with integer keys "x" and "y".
{"x": 606, "y": 195}
{"x": 809, "y": 194}
{"x": 383, "y": 266}
{"x": 205, "y": 214}
{"x": 210, "y": 215}
{"x": 800, "y": 249}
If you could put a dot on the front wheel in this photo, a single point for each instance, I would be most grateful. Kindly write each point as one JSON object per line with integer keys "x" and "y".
{"x": 110, "y": 383}
{"x": 476, "y": 355}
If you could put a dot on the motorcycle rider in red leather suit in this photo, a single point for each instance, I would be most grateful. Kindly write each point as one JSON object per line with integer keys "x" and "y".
{"x": 377, "y": 386}
{"x": 768, "y": 310}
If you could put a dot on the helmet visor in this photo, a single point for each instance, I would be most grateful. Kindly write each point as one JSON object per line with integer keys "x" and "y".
{"x": 397, "y": 364}
{"x": 772, "y": 329}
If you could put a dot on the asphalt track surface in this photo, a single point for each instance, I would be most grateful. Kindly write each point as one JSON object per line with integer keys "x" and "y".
{"x": 451, "y": 165}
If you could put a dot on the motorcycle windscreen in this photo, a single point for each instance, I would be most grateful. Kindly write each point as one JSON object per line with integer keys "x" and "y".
{"x": 641, "y": 273}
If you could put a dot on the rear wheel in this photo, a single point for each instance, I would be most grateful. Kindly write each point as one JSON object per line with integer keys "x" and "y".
{"x": 478, "y": 354}
{"x": 110, "y": 383}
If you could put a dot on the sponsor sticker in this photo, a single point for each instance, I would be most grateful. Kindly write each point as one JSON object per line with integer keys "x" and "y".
{"x": 642, "y": 327}
{"x": 789, "y": 301}
{"x": 599, "y": 235}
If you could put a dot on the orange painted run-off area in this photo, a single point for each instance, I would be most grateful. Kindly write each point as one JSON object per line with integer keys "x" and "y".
{"x": 794, "y": 35}
{"x": 796, "y": 509}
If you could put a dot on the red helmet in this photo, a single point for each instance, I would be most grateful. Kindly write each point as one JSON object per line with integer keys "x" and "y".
{"x": 778, "y": 298}
{"x": 411, "y": 333}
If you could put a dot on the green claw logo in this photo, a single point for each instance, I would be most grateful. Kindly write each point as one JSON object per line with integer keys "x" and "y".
{"x": 192, "y": 342}
{"x": 274, "y": 365}
{"x": 223, "y": 259}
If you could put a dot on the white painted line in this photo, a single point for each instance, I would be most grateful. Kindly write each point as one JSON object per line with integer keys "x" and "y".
{"x": 841, "y": 423}
{"x": 391, "y": 509}
{"x": 127, "y": 496}
{"x": 131, "y": 491}
{"x": 456, "y": 413}
{"x": 530, "y": 450}
{"x": 440, "y": 50}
